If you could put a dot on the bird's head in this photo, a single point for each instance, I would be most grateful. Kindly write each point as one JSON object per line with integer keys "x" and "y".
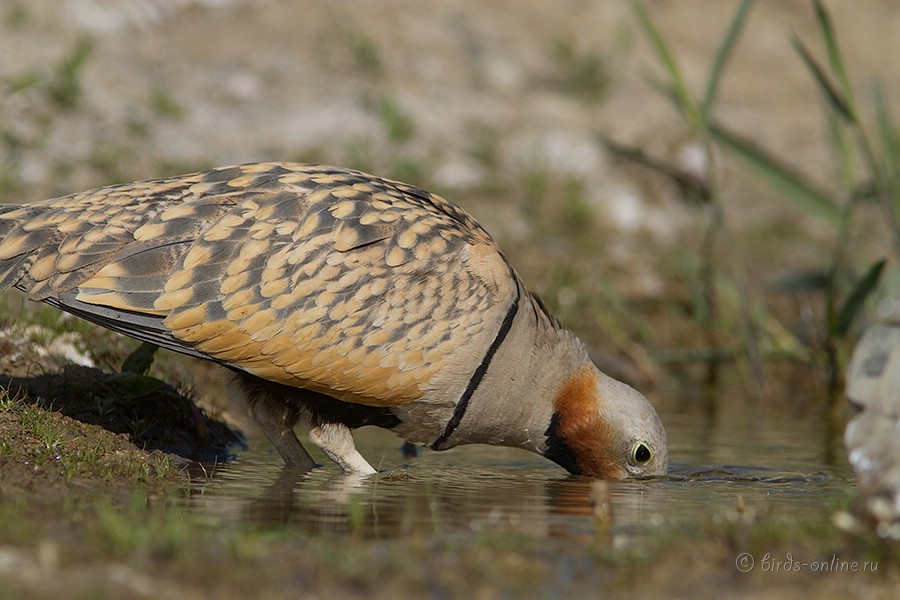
{"x": 603, "y": 428}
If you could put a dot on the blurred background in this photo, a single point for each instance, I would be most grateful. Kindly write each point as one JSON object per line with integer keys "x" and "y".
{"x": 731, "y": 242}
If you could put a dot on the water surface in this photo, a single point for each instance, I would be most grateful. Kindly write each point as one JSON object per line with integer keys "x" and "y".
{"x": 775, "y": 462}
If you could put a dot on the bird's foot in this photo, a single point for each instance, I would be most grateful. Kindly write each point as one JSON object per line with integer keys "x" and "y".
{"x": 337, "y": 442}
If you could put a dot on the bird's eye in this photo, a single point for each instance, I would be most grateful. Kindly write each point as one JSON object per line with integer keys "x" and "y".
{"x": 641, "y": 453}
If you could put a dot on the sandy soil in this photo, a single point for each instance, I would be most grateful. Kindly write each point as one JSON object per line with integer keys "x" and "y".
{"x": 277, "y": 79}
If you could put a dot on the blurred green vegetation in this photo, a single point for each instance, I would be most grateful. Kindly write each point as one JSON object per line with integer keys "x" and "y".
{"x": 584, "y": 74}
{"x": 739, "y": 324}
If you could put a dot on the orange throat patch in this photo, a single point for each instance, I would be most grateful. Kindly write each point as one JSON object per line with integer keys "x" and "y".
{"x": 582, "y": 435}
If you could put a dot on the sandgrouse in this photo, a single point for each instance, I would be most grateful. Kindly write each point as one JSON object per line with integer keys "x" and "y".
{"x": 336, "y": 298}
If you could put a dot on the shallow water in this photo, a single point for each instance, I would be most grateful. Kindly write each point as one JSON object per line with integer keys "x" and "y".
{"x": 776, "y": 463}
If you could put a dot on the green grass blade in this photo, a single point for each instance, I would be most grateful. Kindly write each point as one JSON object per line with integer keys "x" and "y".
{"x": 843, "y": 148}
{"x": 722, "y": 56}
{"x": 689, "y": 184}
{"x": 887, "y": 129}
{"x": 888, "y": 163}
{"x": 835, "y": 59}
{"x": 795, "y": 188}
{"x": 835, "y": 98}
{"x": 684, "y": 101}
{"x": 857, "y": 298}
{"x": 141, "y": 359}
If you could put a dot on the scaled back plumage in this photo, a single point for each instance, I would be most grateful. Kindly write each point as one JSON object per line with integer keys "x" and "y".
{"x": 309, "y": 276}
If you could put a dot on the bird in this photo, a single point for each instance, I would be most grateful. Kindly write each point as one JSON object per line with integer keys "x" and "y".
{"x": 337, "y": 299}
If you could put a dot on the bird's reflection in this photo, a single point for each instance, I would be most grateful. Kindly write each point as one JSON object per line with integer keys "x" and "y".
{"x": 413, "y": 500}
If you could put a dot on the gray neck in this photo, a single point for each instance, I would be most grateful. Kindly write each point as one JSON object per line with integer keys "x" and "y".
{"x": 513, "y": 403}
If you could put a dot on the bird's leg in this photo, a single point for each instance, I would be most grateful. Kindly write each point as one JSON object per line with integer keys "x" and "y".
{"x": 336, "y": 441}
{"x": 277, "y": 420}
{"x": 277, "y": 408}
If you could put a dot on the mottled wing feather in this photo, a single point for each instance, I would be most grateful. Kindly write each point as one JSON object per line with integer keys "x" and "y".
{"x": 316, "y": 277}
{"x": 55, "y": 245}
{"x": 144, "y": 327}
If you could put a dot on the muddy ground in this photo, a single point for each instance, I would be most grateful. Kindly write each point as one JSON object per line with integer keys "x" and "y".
{"x": 495, "y": 105}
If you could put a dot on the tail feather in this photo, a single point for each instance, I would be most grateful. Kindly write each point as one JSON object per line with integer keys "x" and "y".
{"x": 12, "y": 270}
